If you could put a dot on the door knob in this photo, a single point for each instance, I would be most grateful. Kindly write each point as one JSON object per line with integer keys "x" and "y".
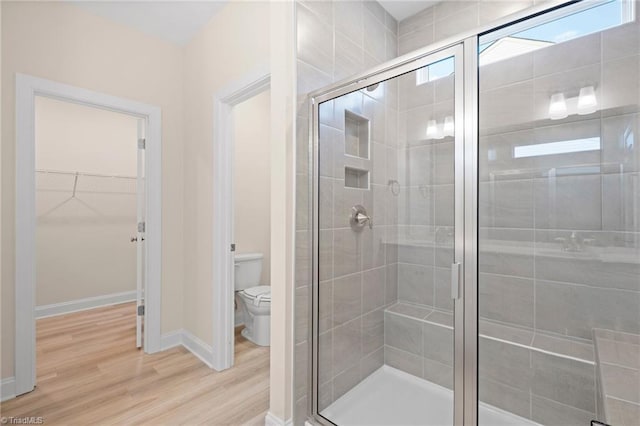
{"x": 134, "y": 239}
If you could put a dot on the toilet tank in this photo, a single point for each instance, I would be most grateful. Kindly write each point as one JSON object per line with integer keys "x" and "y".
{"x": 248, "y": 267}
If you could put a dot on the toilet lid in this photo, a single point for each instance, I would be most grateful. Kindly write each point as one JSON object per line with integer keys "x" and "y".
{"x": 262, "y": 291}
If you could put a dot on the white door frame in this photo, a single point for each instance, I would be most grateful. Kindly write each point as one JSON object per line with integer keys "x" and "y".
{"x": 224, "y": 100}
{"x": 27, "y": 88}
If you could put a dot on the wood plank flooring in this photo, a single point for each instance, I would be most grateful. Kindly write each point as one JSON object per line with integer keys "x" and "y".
{"x": 90, "y": 372}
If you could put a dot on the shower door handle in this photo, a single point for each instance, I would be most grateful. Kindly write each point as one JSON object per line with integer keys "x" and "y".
{"x": 455, "y": 280}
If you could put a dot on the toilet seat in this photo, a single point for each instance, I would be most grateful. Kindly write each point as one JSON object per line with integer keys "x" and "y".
{"x": 259, "y": 294}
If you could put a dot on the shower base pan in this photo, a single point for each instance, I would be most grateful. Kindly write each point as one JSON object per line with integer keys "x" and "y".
{"x": 390, "y": 397}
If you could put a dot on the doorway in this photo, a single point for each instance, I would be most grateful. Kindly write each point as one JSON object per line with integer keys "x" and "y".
{"x": 87, "y": 200}
{"x": 252, "y": 201}
{"x": 249, "y": 88}
{"x": 58, "y": 171}
{"x": 89, "y": 249}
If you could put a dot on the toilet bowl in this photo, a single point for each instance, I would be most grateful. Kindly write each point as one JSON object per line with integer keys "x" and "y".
{"x": 257, "y": 319}
{"x": 253, "y": 299}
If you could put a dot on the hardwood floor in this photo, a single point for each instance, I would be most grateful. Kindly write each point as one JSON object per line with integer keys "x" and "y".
{"x": 90, "y": 372}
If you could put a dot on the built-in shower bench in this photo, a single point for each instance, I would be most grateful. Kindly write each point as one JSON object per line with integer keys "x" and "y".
{"x": 579, "y": 349}
{"x": 618, "y": 367}
{"x": 544, "y": 377}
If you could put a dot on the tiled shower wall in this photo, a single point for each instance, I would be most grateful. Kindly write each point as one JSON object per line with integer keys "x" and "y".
{"x": 449, "y": 18}
{"x": 425, "y": 224}
{"x": 337, "y": 40}
{"x": 418, "y": 331}
{"x": 357, "y": 272}
{"x": 531, "y": 206}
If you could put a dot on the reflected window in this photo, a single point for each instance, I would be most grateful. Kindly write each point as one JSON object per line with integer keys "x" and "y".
{"x": 435, "y": 71}
{"x": 584, "y": 18}
{"x": 555, "y": 148}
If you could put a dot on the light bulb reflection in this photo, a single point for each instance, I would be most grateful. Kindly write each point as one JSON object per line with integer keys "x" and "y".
{"x": 432, "y": 129}
{"x": 587, "y": 102}
{"x": 557, "y": 107}
{"x": 449, "y": 127}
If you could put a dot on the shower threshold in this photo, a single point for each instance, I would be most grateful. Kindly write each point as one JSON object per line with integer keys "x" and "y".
{"x": 391, "y": 397}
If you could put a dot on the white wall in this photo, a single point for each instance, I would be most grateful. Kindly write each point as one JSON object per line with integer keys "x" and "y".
{"x": 233, "y": 43}
{"x": 283, "y": 192}
{"x": 82, "y": 244}
{"x": 80, "y": 138}
{"x": 243, "y": 36}
{"x": 61, "y": 42}
{"x": 252, "y": 202}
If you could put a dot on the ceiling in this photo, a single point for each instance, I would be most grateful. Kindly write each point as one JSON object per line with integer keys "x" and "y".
{"x": 178, "y": 21}
{"x": 402, "y": 9}
{"x": 174, "y": 21}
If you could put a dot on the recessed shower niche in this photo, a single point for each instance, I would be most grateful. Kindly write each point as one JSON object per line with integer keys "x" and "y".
{"x": 356, "y": 135}
{"x": 356, "y": 178}
{"x": 356, "y": 145}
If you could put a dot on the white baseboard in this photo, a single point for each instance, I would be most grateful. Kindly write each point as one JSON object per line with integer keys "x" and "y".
{"x": 198, "y": 348}
{"x": 171, "y": 340}
{"x": 193, "y": 344}
{"x": 273, "y": 420}
{"x": 7, "y": 388}
{"x": 45, "y": 311}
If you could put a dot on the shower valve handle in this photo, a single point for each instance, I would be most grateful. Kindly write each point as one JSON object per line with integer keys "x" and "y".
{"x": 359, "y": 218}
{"x": 363, "y": 219}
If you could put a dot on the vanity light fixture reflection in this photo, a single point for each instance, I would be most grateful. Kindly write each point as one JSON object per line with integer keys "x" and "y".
{"x": 432, "y": 129}
{"x": 583, "y": 104}
{"x": 440, "y": 131}
{"x": 558, "y": 107}
{"x": 587, "y": 102}
{"x": 448, "y": 128}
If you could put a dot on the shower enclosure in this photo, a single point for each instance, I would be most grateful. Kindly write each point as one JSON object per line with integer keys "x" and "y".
{"x": 476, "y": 240}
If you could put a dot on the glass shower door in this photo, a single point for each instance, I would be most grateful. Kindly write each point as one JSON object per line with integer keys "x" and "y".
{"x": 559, "y": 246}
{"x": 387, "y": 207}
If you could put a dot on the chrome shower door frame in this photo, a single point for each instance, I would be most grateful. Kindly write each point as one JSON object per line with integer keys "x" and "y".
{"x": 460, "y": 51}
{"x": 466, "y": 189}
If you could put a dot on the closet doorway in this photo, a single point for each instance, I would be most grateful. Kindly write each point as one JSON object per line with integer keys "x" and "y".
{"x": 89, "y": 247}
{"x": 89, "y": 201}
{"x": 88, "y": 227}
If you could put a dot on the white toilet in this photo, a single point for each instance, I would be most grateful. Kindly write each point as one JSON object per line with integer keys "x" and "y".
{"x": 253, "y": 299}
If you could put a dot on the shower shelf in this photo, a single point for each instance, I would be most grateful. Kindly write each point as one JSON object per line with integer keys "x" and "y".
{"x": 356, "y": 135}
{"x": 356, "y": 178}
